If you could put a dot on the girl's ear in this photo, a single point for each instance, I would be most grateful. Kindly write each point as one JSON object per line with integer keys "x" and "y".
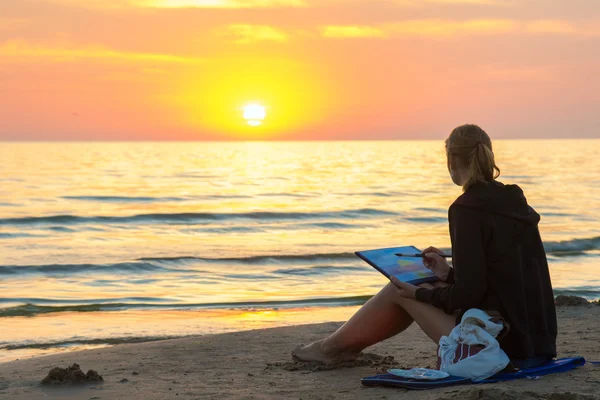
{"x": 451, "y": 162}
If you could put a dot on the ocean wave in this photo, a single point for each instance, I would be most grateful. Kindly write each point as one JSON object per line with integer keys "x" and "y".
{"x": 183, "y": 218}
{"x": 124, "y": 199}
{"x": 45, "y": 301}
{"x": 280, "y": 227}
{"x": 368, "y": 194}
{"x": 171, "y": 264}
{"x": 378, "y": 194}
{"x": 427, "y": 219}
{"x": 152, "y": 199}
{"x": 319, "y": 270}
{"x": 575, "y": 247}
{"x": 262, "y": 259}
{"x": 559, "y": 248}
{"x": 331, "y": 225}
{"x": 432, "y": 210}
{"x": 189, "y": 175}
{"x": 224, "y": 196}
{"x": 294, "y": 195}
{"x": 88, "y": 342}
{"x": 588, "y": 292}
{"x": 572, "y": 247}
{"x": 51, "y": 269}
{"x": 228, "y": 229}
{"x": 61, "y": 229}
{"x": 29, "y": 309}
{"x": 4, "y": 235}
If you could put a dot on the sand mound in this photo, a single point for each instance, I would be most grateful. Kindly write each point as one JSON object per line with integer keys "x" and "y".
{"x": 71, "y": 375}
{"x": 380, "y": 363}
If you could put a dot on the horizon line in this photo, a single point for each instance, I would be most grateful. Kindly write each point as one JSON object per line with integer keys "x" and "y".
{"x": 267, "y": 140}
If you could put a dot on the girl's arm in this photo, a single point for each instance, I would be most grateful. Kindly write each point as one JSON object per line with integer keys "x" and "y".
{"x": 468, "y": 258}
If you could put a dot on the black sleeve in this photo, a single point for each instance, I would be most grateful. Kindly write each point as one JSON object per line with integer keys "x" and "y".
{"x": 450, "y": 277}
{"x": 468, "y": 259}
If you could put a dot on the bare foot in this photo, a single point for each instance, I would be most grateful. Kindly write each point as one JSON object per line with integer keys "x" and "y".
{"x": 316, "y": 351}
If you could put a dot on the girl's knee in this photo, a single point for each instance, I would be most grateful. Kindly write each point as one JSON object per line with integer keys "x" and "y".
{"x": 390, "y": 289}
{"x": 392, "y": 294}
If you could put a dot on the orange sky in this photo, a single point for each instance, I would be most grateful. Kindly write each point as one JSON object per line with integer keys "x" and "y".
{"x": 324, "y": 69}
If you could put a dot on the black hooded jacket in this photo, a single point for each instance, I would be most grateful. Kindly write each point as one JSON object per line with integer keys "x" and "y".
{"x": 500, "y": 265}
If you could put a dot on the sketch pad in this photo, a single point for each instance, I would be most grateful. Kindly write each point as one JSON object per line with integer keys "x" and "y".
{"x": 405, "y": 269}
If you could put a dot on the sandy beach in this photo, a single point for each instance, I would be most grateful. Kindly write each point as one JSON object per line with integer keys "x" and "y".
{"x": 257, "y": 365}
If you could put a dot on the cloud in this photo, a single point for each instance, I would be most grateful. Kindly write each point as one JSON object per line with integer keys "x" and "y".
{"x": 448, "y": 28}
{"x": 452, "y": 28}
{"x": 119, "y": 4}
{"x": 352, "y": 31}
{"x": 472, "y": 2}
{"x": 563, "y": 27}
{"x": 24, "y": 50}
{"x": 453, "y": 2}
{"x": 429, "y": 27}
{"x": 246, "y": 33}
{"x": 220, "y": 3}
{"x": 237, "y": 4}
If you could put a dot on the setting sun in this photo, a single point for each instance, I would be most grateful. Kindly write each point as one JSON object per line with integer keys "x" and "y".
{"x": 254, "y": 114}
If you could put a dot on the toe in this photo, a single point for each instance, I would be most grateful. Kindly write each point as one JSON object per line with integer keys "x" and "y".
{"x": 296, "y": 350}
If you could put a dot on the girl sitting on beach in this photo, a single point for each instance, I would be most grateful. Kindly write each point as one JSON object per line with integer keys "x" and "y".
{"x": 499, "y": 265}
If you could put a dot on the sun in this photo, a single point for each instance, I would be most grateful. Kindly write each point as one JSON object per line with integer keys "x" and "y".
{"x": 254, "y": 114}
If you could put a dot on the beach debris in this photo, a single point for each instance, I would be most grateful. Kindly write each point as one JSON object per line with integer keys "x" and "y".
{"x": 563, "y": 300}
{"x": 70, "y": 375}
{"x": 135, "y": 373}
{"x": 124, "y": 380}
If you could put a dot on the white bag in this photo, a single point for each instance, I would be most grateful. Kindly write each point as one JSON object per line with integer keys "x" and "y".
{"x": 471, "y": 350}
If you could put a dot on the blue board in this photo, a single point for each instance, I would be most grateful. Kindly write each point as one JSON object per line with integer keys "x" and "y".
{"x": 405, "y": 269}
{"x": 552, "y": 367}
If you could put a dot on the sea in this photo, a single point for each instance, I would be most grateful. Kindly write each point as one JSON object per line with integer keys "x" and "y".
{"x": 108, "y": 243}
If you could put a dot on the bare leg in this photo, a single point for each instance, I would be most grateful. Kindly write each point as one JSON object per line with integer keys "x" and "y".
{"x": 378, "y": 319}
{"x": 384, "y": 316}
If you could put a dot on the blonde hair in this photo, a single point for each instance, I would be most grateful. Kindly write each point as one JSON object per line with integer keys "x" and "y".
{"x": 472, "y": 148}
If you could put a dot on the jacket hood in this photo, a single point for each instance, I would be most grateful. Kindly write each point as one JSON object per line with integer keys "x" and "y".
{"x": 496, "y": 198}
